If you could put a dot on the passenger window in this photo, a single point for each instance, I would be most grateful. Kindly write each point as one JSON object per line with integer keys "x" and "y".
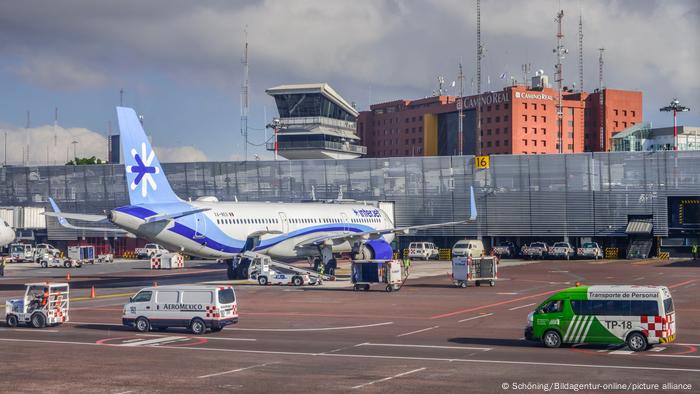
{"x": 196, "y": 297}
{"x": 143, "y": 296}
{"x": 167, "y": 297}
{"x": 226, "y": 296}
{"x": 668, "y": 303}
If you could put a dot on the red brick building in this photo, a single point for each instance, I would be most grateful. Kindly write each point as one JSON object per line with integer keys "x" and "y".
{"x": 516, "y": 120}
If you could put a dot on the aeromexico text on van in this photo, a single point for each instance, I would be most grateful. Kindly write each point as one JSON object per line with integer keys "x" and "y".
{"x": 183, "y": 307}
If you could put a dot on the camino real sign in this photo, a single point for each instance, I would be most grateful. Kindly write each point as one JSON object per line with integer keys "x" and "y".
{"x": 486, "y": 99}
{"x": 533, "y": 96}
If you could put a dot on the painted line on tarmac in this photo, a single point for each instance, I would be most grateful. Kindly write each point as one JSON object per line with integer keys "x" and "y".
{"x": 682, "y": 283}
{"x": 475, "y": 317}
{"x": 464, "y": 360}
{"x": 486, "y": 349}
{"x": 102, "y": 296}
{"x": 520, "y": 307}
{"x": 478, "y": 308}
{"x": 389, "y": 378}
{"x": 234, "y": 370}
{"x": 209, "y": 337}
{"x": 672, "y": 355}
{"x": 153, "y": 341}
{"x": 311, "y": 329}
{"x": 27, "y": 331}
{"x": 417, "y": 331}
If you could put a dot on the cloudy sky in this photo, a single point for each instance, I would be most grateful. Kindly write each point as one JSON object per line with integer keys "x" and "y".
{"x": 179, "y": 62}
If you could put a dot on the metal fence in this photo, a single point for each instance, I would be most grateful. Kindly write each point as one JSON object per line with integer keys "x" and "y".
{"x": 579, "y": 195}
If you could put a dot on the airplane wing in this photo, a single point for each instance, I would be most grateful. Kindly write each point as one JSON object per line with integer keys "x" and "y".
{"x": 62, "y": 220}
{"x": 365, "y": 235}
{"x": 173, "y": 215}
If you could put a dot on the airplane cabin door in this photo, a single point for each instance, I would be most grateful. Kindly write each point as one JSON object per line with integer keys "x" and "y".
{"x": 200, "y": 226}
{"x": 284, "y": 222}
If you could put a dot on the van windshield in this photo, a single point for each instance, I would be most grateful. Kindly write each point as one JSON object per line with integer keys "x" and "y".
{"x": 227, "y": 296}
{"x": 462, "y": 244}
{"x": 668, "y": 305}
{"x": 561, "y": 245}
{"x": 589, "y": 245}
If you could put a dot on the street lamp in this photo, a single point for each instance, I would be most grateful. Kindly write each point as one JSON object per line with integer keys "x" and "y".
{"x": 675, "y": 107}
{"x": 75, "y": 155}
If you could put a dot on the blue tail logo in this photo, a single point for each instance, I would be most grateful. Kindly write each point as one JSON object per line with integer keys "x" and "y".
{"x": 143, "y": 170}
{"x": 144, "y": 174}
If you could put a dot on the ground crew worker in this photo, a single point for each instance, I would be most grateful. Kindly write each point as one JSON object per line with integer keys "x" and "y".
{"x": 2, "y": 267}
{"x": 406, "y": 264}
{"x": 694, "y": 250}
{"x": 45, "y": 297}
{"x": 321, "y": 268}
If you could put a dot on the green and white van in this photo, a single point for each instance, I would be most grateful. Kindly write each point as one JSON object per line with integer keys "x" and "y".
{"x": 636, "y": 315}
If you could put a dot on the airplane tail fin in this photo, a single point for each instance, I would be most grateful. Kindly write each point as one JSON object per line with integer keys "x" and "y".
{"x": 144, "y": 175}
{"x": 472, "y": 204}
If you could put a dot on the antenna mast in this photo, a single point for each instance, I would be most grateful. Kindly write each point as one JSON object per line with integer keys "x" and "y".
{"x": 479, "y": 56}
{"x": 580, "y": 52}
{"x": 601, "y": 102}
{"x": 526, "y": 67}
{"x": 26, "y": 139}
{"x": 55, "y": 133}
{"x": 561, "y": 52}
{"x": 460, "y": 105}
{"x": 244, "y": 96}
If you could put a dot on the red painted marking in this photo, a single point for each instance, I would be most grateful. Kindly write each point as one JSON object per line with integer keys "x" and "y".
{"x": 478, "y": 308}
{"x": 682, "y": 283}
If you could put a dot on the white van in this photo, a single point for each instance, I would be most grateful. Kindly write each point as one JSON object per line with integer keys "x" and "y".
{"x": 423, "y": 250}
{"x": 469, "y": 248}
{"x": 194, "y": 307}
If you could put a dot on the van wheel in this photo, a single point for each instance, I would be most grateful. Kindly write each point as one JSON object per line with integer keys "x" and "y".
{"x": 463, "y": 284}
{"x": 197, "y": 326}
{"x": 11, "y": 321}
{"x": 551, "y": 339}
{"x": 44, "y": 264}
{"x": 477, "y": 283}
{"x": 66, "y": 264}
{"x": 297, "y": 281}
{"x": 38, "y": 320}
{"x": 142, "y": 324}
{"x": 637, "y": 342}
{"x": 262, "y": 280}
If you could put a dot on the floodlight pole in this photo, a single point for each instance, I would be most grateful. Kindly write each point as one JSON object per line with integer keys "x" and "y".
{"x": 675, "y": 107}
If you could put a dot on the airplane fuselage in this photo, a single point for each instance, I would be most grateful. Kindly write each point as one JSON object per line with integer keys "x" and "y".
{"x": 280, "y": 230}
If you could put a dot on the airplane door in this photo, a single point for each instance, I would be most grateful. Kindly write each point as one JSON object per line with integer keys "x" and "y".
{"x": 284, "y": 222}
{"x": 200, "y": 225}
{"x": 344, "y": 218}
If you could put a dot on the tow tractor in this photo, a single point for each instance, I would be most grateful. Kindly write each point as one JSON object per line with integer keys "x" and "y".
{"x": 43, "y": 304}
{"x": 267, "y": 271}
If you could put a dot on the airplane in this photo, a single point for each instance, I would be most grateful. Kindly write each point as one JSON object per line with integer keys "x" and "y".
{"x": 7, "y": 234}
{"x": 210, "y": 229}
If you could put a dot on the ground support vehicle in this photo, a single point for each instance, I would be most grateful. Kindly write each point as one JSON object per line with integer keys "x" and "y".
{"x": 389, "y": 273}
{"x": 468, "y": 247}
{"x": 105, "y": 258}
{"x": 505, "y": 249}
{"x": 638, "y": 316}
{"x": 537, "y": 250}
{"x": 562, "y": 250}
{"x": 423, "y": 250}
{"x": 269, "y": 272}
{"x": 149, "y": 251}
{"x": 590, "y": 250}
{"x": 167, "y": 261}
{"x": 476, "y": 270}
{"x": 84, "y": 254}
{"x": 20, "y": 253}
{"x": 194, "y": 307}
{"x": 44, "y": 251}
{"x": 57, "y": 262}
{"x": 43, "y": 304}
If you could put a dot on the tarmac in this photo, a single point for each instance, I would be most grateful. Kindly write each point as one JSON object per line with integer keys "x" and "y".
{"x": 428, "y": 336}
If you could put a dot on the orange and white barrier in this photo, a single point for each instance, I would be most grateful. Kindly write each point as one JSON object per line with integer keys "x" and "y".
{"x": 167, "y": 261}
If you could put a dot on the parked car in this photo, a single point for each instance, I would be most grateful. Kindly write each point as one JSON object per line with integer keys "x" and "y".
{"x": 469, "y": 248}
{"x": 505, "y": 249}
{"x": 590, "y": 250}
{"x": 562, "y": 250}
{"x": 423, "y": 250}
{"x": 538, "y": 250}
{"x": 149, "y": 251}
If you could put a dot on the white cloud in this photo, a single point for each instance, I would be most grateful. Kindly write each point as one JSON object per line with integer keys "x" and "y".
{"x": 59, "y": 72}
{"x": 181, "y": 154}
{"x": 49, "y": 144}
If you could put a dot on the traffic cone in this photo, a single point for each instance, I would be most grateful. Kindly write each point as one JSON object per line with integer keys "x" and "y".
{"x": 68, "y": 277}
{"x": 92, "y": 292}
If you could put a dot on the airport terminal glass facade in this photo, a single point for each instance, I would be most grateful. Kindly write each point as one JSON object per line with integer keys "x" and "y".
{"x": 527, "y": 196}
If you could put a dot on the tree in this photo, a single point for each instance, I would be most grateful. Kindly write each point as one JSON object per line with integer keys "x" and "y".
{"x": 85, "y": 161}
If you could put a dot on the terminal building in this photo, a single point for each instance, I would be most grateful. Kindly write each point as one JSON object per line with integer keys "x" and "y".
{"x": 642, "y": 137}
{"x": 314, "y": 122}
{"x": 516, "y": 120}
{"x": 638, "y": 201}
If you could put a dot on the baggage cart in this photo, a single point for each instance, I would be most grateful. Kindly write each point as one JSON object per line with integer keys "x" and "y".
{"x": 476, "y": 270}
{"x": 389, "y": 273}
{"x": 43, "y": 304}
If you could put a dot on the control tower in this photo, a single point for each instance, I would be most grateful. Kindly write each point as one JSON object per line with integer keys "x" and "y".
{"x": 315, "y": 122}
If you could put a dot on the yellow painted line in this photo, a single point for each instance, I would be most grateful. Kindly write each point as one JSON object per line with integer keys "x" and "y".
{"x": 602, "y": 262}
{"x": 102, "y": 296}
{"x": 646, "y": 262}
